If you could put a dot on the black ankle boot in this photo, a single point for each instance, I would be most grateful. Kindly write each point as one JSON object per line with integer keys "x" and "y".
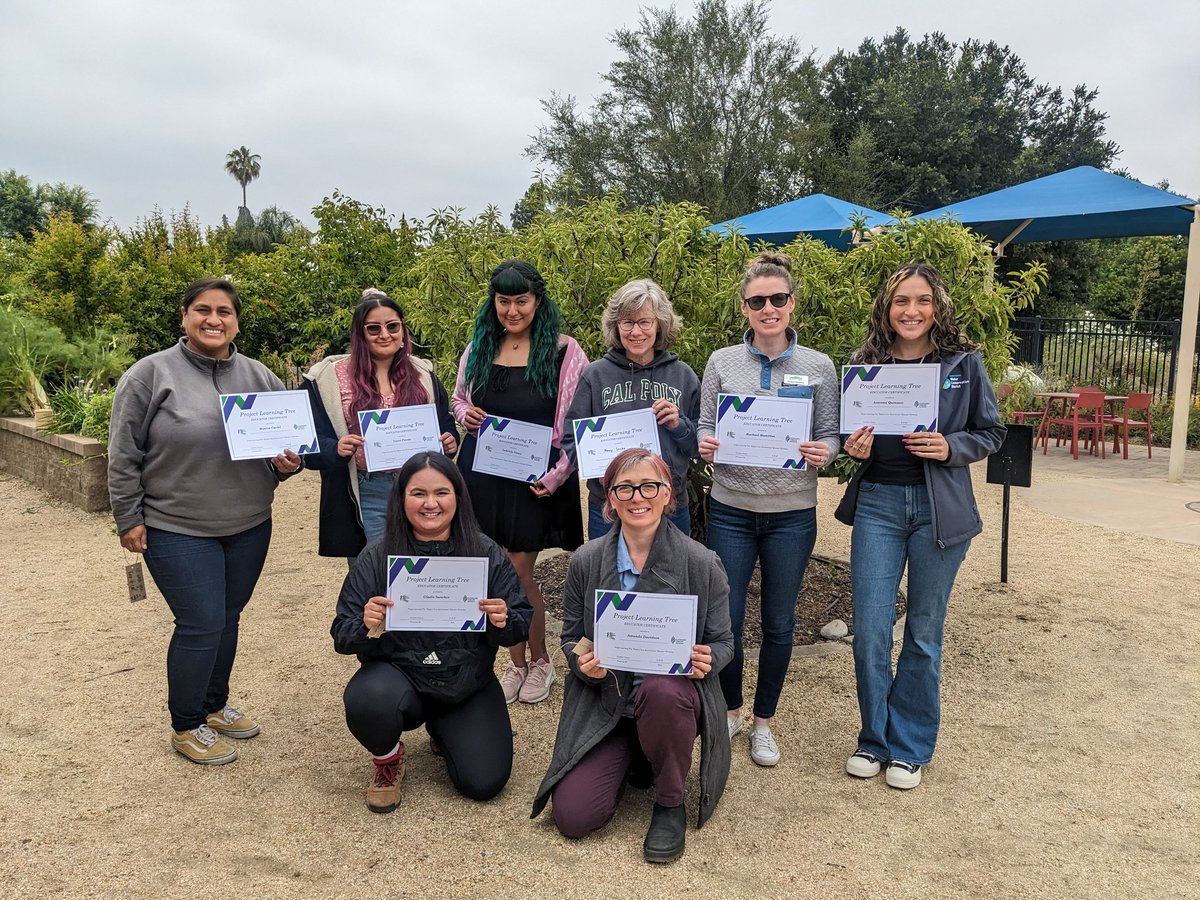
{"x": 665, "y": 837}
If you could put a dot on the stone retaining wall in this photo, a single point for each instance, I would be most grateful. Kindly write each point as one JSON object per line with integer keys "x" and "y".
{"x": 65, "y": 466}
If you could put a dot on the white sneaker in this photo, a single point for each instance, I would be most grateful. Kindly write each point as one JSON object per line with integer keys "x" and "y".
{"x": 538, "y": 679}
{"x": 735, "y": 725}
{"x": 862, "y": 764}
{"x": 763, "y": 749}
{"x": 511, "y": 680}
{"x": 902, "y": 775}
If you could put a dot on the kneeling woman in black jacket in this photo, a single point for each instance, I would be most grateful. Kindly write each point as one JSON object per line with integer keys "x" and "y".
{"x": 442, "y": 680}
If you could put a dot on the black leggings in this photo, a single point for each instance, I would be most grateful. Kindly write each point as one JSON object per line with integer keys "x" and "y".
{"x": 475, "y": 734}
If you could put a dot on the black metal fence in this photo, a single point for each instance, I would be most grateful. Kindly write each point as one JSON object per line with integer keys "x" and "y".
{"x": 1138, "y": 356}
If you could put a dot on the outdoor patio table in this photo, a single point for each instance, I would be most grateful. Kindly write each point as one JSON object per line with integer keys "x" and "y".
{"x": 1066, "y": 399}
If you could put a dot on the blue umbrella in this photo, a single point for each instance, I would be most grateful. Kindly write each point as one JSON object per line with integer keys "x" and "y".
{"x": 818, "y": 216}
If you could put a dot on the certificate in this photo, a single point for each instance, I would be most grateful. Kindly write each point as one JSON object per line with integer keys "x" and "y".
{"x": 896, "y": 399}
{"x": 263, "y": 425}
{"x": 392, "y": 436}
{"x": 436, "y": 593}
{"x": 599, "y": 439}
{"x": 513, "y": 449}
{"x": 648, "y": 633}
{"x": 764, "y": 432}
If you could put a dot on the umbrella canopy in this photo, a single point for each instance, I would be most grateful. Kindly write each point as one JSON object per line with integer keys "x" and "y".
{"x": 817, "y": 215}
{"x": 1079, "y": 203}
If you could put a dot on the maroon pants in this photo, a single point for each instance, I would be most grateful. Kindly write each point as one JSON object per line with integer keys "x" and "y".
{"x": 667, "y": 713}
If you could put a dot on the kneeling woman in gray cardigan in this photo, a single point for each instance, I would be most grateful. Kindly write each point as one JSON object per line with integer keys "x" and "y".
{"x": 612, "y": 721}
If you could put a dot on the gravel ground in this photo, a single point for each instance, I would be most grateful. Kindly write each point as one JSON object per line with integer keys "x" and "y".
{"x": 1065, "y": 768}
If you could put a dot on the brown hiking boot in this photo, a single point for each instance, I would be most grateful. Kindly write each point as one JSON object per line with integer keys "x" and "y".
{"x": 383, "y": 795}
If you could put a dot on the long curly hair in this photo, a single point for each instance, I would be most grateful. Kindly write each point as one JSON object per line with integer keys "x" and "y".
{"x": 945, "y": 334}
{"x": 512, "y": 278}
{"x": 403, "y": 374}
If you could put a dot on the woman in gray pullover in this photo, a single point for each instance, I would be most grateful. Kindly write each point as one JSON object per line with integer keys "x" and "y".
{"x": 202, "y": 521}
{"x": 766, "y": 515}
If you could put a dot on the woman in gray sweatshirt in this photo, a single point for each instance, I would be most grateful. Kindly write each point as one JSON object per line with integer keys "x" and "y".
{"x": 202, "y": 521}
{"x": 759, "y": 514}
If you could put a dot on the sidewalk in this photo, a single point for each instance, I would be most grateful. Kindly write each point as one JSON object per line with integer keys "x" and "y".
{"x": 1130, "y": 495}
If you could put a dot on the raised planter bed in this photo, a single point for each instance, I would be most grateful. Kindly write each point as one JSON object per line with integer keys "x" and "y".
{"x": 65, "y": 466}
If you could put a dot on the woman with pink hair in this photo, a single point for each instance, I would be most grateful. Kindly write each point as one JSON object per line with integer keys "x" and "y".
{"x": 379, "y": 372}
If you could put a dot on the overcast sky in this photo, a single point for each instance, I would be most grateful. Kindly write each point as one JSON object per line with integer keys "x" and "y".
{"x": 415, "y": 106}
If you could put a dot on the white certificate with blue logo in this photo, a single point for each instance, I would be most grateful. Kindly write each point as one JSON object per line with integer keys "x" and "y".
{"x": 764, "y": 432}
{"x": 896, "y": 399}
{"x": 263, "y": 425}
{"x": 599, "y": 439}
{"x": 436, "y": 593}
{"x": 392, "y": 436}
{"x": 510, "y": 448}
{"x": 652, "y": 634}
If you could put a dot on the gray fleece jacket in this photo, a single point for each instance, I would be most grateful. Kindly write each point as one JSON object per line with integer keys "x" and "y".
{"x": 798, "y": 371}
{"x": 168, "y": 461}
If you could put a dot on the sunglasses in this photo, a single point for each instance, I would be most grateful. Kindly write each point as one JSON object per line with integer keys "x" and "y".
{"x": 779, "y": 301}
{"x": 374, "y": 329}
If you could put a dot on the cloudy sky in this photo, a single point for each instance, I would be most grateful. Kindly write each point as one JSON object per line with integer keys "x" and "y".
{"x": 415, "y": 106}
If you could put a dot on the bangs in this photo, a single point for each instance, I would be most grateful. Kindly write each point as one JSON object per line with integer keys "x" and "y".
{"x": 510, "y": 283}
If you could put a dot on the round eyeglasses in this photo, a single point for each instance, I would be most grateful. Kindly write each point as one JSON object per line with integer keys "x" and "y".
{"x": 648, "y": 489}
{"x": 627, "y": 324}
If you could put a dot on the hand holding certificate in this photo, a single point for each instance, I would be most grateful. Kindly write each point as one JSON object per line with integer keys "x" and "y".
{"x": 896, "y": 399}
{"x": 764, "y": 432}
{"x": 651, "y": 634}
{"x": 437, "y": 593}
{"x": 599, "y": 439}
{"x": 392, "y": 436}
{"x": 510, "y": 448}
{"x": 264, "y": 425}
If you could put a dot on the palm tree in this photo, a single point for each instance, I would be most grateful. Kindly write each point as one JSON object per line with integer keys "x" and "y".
{"x": 244, "y": 166}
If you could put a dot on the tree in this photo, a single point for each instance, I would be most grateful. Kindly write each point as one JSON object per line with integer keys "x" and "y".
{"x": 68, "y": 199}
{"x": 713, "y": 110}
{"x": 20, "y": 205}
{"x": 924, "y": 124}
{"x": 244, "y": 166}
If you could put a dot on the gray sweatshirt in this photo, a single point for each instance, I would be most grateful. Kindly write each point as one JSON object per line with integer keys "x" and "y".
{"x": 168, "y": 462}
{"x": 743, "y": 370}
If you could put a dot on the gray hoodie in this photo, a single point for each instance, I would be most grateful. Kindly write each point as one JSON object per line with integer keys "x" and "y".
{"x": 615, "y": 384}
{"x": 168, "y": 461}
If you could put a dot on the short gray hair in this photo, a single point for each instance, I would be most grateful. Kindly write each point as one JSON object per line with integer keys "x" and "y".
{"x": 631, "y": 297}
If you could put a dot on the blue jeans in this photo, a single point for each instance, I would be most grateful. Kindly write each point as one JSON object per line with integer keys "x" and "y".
{"x": 206, "y": 581}
{"x": 783, "y": 542}
{"x": 598, "y": 528}
{"x": 374, "y": 489}
{"x": 893, "y": 526}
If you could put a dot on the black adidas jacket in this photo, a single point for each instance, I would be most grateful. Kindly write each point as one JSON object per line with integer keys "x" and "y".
{"x": 444, "y": 665}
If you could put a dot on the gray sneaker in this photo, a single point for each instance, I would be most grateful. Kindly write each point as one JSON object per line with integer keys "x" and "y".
{"x": 735, "y": 726}
{"x": 763, "y": 749}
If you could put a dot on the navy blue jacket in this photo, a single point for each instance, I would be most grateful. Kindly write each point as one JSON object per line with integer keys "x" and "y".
{"x": 970, "y": 421}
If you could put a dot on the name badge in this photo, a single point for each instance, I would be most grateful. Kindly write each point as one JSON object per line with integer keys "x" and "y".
{"x": 795, "y": 379}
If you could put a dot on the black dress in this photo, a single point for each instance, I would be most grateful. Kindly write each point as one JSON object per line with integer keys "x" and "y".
{"x": 508, "y": 511}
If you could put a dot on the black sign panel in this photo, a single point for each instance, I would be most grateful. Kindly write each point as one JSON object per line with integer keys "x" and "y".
{"x": 1013, "y": 462}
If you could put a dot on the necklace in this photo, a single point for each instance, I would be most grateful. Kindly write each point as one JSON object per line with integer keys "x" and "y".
{"x": 928, "y": 357}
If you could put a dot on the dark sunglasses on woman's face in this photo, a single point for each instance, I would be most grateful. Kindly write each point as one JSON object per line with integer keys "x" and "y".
{"x": 779, "y": 301}
{"x": 374, "y": 329}
{"x": 648, "y": 489}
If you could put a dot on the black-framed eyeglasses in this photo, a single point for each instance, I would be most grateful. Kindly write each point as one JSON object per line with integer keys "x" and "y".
{"x": 648, "y": 489}
{"x": 374, "y": 329}
{"x": 628, "y": 324}
{"x": 779, "y": 301}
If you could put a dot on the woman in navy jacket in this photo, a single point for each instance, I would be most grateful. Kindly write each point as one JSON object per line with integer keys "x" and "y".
{"x": 911, "y": 502}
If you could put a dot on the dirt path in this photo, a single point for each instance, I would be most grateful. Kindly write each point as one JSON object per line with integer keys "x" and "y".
{"x": 1066, "y": 765}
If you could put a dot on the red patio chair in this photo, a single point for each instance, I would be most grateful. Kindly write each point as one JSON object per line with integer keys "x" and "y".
{"x": 1084, "y": 388}
{"x": 1087, "y": 415}
{"x": 1122, "y": 424}
{"x": 1020, "y": 416}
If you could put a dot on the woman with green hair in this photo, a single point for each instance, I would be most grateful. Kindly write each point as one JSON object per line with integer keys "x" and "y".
{"x": 518, "y": 366}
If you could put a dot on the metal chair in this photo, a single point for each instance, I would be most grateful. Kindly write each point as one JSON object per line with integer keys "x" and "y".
{"x": 1086, "y": 415}
{"x": 1122, "y": 424}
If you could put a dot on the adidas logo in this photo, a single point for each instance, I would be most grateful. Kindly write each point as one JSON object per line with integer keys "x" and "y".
{"x": 432, "y": 660}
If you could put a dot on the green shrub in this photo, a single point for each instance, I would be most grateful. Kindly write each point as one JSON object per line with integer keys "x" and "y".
{"x": 1162, "y": 413}
{"x": 78, "y": 410}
